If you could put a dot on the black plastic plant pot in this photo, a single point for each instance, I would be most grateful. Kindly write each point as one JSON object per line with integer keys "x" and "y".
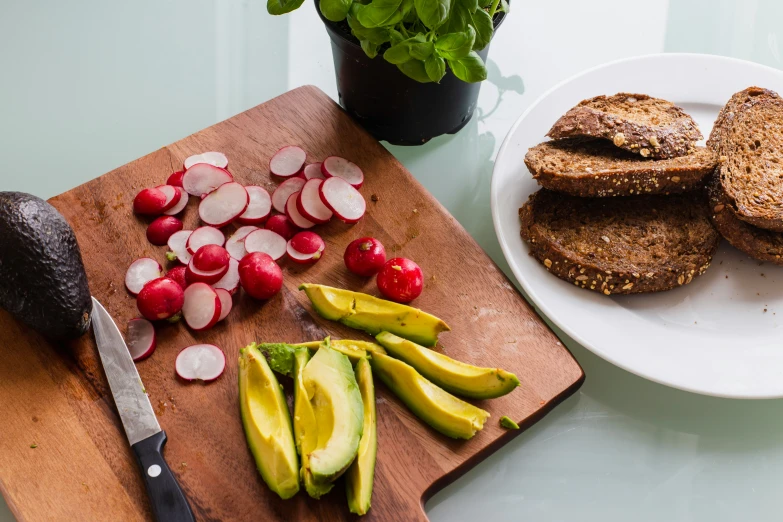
{"x": 390, "y": 105}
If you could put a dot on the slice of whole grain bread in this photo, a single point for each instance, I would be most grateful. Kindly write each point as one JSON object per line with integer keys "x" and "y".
{"x": 764, "y": 245}
{"x": 596, "y": 168}
{"x": 748, "y": 137}
{"x": 650, "y": 127}
{"x": 620, "y": 245}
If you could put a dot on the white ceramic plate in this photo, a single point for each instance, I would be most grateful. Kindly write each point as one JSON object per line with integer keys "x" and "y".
{"x": 720, "y": 335}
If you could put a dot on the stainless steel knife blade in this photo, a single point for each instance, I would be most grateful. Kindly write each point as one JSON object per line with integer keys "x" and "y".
{"x": 133, "y": 405}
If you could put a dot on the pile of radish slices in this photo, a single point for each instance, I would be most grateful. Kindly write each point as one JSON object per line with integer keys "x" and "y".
{"x": 212, "y": 265}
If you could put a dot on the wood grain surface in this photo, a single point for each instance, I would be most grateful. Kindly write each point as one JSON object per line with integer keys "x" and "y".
{"x": 63, "y": 453}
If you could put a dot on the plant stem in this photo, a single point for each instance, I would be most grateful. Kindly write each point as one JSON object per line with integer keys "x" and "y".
{"x": 493, "y": 8}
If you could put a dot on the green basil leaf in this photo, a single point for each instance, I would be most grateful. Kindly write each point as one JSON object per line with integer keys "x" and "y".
{"x": 421, "y": 50}
{"x": 456, "y": 45}
{"x": 482, "y": 23}
{"x": 484, "y": 3}
{"x": 470, "y": 68}
{"x": 398, "y": 53}
{"x": 433, "y": 12}
{"x": 279, "y": 7}
{"x": 435, "y": 66}
{"x": 395, "y": 36}
{"x": 504, "y": 6}
{"x": 469, "y": 5}
{"x": 457, "y": 21}
{"x": 335, "y": 10}
{"x": 369, "y": 48}
{"x": 380, "y": 13}
{"x": 376, "y": 35}
{"x": 414, "y": 69}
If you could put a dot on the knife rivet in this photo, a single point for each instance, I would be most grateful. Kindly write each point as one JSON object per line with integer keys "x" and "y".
{"x": 153, "y": 471}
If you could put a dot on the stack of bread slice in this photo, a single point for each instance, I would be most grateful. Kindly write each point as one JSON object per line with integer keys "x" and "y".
{"x": 657, "y": 235}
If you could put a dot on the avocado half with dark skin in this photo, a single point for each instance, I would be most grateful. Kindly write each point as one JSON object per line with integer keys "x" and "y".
{"x": 42, "y": 279}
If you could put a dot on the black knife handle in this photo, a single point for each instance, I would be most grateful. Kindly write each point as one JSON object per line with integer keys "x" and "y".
{"x": 168, "y": 502}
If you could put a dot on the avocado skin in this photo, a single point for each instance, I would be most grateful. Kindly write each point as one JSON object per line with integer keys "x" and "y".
{"x": 42, "y": 278}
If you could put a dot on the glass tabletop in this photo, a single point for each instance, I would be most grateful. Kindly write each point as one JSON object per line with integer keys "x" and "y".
{"x": 88, "y": 86}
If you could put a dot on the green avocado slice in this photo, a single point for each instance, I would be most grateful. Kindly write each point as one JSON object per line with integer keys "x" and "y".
{"x": 446, "y": 413}
{"x": 354, "y": 350}
{"x": 373, "y": 315}
{"x": 359, "y": 477}
{"x": 305, "y": 429}
{"x": 267, "y": 423}
{"x": 453, "y": 376}
{"x": 331, "y": 387}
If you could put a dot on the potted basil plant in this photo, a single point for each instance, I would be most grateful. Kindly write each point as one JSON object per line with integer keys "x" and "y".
{"x": 408, "y": 70}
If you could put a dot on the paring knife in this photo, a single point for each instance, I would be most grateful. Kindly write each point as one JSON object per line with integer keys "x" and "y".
{"x": 141, "y": 426}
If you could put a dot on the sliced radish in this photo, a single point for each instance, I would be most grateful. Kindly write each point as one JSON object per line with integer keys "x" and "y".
{"x": 224, "y": 204}
{"x": 175, "y": 180}
{"x": 226, "y": 302}
{"x": 181, "y": 204}
{"x": 230, "y": 281}
{"x": 177, "y": 243}
{"x": 258, "y": 209}
{"x": 299, "y": 257}
{"x": 309, "y": 203}
{"x": 210, "y": 277}
{"x": 177, "y": 274}
{"x": 202, "y": 306}
{"x": 287, "y": 161}
{"x": 211, "y": 257}
{"x": 160, "y": 299}
{"x": 218, "y": 159}
{"x": 293, "y": 213}
{"x": 313, "y": 171}
{"x": 335, "y": 166}
{"x": 283, "y": 192}
{"x": 160, "y": 230}
{"x": 140, "y": 339}
{"x": 173, "y": 195}
{"x": 307, "y": 242}
{"x": 203, "y": 178}
{"x": 236, "y": 242}
{"x": 343, "y": 199}
{"x": 282, "y": 225}
{"x": 266, "y": 241}
{"x": 141, "y": 272}
{"x": 205, "y": 236}
{"x": 200, "y": 362}
{"x": 151, "y": 201}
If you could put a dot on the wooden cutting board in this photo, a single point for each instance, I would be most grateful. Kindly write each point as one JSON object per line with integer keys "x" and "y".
{"x": 63, "y": 453}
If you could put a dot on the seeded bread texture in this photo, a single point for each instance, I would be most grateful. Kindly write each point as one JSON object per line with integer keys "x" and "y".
{"x": 650, "y": 127}
{"x": 748, "y": 135}
{"x": 764, "y": 245}
{"x": 596, "y": 168}
{"x": 620, "y": 245}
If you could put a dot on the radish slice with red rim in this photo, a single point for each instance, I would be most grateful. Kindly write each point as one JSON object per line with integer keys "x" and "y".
{"x": 283, "y": 192}
{"x": 141, "y": 272}
{"x": 224, "y": 204}
{"x": 175, "y": 179}
{"x": 343, "y": 199}
{"x": 287, "y": 161}
{"x": 173, "y": 196}
{"x": 335, "y": 166}
{"x": 230, "y": 281}
{"x": 218, "y": 159}
{"x": 236, "y": 242}
{"x": 299, "y": 257}
{"x": 181, "y": 204}
{"x": 200, "y": 362}
{"x": 202, "y": 306}
{"x": 140, "y": 339}
{"x": 309, "y": 203}
{"x": 293, "y": 214}
{"x": 205, "y": 236}
{"x": 313, "y": 171}
{"x": 177, "y": 244}
{"x": 258, "y": 209}
{"x": 203, "y": 178}
{"x": 226, "y": 302}
{"x": 194, "y": 275}
{"x": 266, "y": 241}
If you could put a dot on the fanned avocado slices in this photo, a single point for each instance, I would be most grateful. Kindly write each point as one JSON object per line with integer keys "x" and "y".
{"x": 359, "y": 477}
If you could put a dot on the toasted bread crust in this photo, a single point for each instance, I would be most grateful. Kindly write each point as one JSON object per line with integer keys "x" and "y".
{"x": 650, "y": 127}
{"x": 623, "y": 245}
{"x": 596, "y": 168}
{"x": 748, "y": 135}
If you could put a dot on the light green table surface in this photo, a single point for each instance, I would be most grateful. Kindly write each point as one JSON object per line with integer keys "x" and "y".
{"x": 88, "y": 85}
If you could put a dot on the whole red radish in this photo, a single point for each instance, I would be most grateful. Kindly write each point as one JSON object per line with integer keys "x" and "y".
{"x": 282, "y": 225}
{"x": 400, "y": 280}
{"x": 260, "y": 276}
{"x": 150, "y": 201}
{"x": 175, "y": 180}
{"x": 211, "y": 257}
{"x": 177, "y": 274}
{"x": 160, "y": 299}
{"x": 365, "y": 256}
{"x": 160, "y": 230}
